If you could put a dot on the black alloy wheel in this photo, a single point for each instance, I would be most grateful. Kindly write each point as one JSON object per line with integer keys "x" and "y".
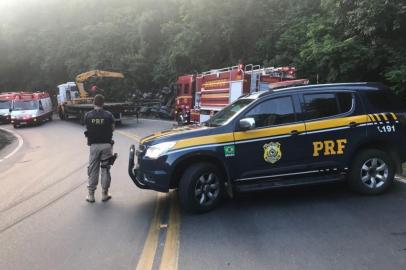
{"x": 372, "y": 172}
{"x": 201, "y": 188}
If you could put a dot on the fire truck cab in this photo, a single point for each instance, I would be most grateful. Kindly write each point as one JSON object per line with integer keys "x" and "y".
{"x": 6, "y": 105}
{"x": 31, "y": 108}
{"x": 200, "y": 96}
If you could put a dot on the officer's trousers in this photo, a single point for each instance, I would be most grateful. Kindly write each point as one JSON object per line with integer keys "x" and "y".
{"x": 99, "y": 154}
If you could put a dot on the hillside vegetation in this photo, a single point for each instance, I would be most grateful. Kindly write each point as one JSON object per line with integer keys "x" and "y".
{"x": 44, "y": 43}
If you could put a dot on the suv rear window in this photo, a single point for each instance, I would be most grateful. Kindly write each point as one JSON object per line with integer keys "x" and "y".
{"x": 385, "y": 101}
{"x": 327, "y": 104}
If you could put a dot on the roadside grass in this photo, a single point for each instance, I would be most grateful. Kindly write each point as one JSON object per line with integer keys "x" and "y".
{"x": 404, "y": 169}
{"x": 5, "y": 139}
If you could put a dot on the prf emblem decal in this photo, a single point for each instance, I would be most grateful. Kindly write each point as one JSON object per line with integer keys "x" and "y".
{"x": 229, "y": 150}
{"x": 272, "y": 152}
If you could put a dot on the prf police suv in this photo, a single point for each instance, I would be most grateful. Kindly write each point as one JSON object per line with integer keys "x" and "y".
{"x": 351, "y": 132}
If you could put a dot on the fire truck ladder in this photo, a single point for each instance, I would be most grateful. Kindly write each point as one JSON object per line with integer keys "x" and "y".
{"x": 255, "y": 71}
{"x": 218, "y": 71}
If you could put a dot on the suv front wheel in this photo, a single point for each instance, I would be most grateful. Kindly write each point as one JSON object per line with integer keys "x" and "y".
{"x": 201, "y": 188}
{"x": 372, "y": 172}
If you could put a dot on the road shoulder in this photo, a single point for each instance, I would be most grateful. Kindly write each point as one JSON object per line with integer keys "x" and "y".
{"x": 10, "y": 142}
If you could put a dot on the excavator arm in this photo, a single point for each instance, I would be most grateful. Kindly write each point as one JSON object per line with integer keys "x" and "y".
{"x": 81, "y": 78}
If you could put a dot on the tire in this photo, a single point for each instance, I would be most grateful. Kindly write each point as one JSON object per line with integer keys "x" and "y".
{"x": 50, "y": 117}
{"x": 372, "y": 172}
{"x": 179, "y": 120}
{"x": 82, "y": 118}
{"x": 15, "y": 126}
{"x": 198, "y": 183}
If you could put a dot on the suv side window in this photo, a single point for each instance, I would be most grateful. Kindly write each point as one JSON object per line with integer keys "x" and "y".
{"x": 276, "y": 111}
{"x": 320, "y": 105}
{"x": 345, "y": 100}
{"x": 323, "y": 105}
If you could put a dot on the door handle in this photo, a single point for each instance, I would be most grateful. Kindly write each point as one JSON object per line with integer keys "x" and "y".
{"x": 294, "y": 132}
{"x": 353, "y": 124}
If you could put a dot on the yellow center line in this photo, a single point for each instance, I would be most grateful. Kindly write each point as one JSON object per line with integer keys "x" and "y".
{"x": 170, "y": 254}
{"x": 129, "y": 135}
{"x": 151, "y": 243}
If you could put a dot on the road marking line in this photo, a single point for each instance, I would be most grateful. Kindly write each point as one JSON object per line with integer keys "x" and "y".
{"x": 40, "y": 208}
{"x": 401, "y": 179}
{"x": 131, "y": 136}
{"x": 170, "y": 256}
{"x": 151, "y": 243}
{"x": 20, "y": 143}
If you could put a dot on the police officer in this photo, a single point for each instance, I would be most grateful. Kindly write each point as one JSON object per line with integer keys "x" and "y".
{"x": 99, "y": 133}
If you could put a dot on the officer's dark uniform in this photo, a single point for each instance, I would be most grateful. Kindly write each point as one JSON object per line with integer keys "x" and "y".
{"x": 99, "y": 124}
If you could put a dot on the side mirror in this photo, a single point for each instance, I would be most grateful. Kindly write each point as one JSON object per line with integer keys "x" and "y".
{"x": 10, "y": 110}
{"x": 246, "y": 124}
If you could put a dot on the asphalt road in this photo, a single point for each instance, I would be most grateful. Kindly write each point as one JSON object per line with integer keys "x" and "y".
{"x": 45, "y": 222}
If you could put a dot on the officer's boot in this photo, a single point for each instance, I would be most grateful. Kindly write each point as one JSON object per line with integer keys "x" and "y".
{"x": 106, "y": 195}
{"x": 90, "y": 196}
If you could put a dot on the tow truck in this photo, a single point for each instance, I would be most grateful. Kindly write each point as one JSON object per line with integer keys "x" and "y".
{"x": 200, "y": 96}
{"x": 74, "y": 100}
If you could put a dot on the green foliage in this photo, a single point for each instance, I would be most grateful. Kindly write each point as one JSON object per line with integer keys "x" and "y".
{"x": 48, "y": 42}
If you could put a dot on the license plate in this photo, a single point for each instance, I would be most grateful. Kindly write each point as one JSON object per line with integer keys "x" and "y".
{"x": 23, "y": 123}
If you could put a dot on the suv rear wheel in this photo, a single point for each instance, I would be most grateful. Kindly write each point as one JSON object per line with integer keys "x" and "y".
{"x": 201, "y": 188}
{"x": 372, "y": 172}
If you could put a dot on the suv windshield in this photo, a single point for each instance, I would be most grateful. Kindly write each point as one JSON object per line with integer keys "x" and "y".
{"x": 5, "y": 104}
{"x": 225, "y": 114}
{"x": 25, "y": 105}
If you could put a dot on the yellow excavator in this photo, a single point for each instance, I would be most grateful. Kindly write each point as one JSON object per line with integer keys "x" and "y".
{"x": 81, "y": 78}
{"x": 74, "y": 100}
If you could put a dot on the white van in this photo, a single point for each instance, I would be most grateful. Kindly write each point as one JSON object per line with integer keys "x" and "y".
{"x": 6, "y": 104}
{"x": 31, "y": 108}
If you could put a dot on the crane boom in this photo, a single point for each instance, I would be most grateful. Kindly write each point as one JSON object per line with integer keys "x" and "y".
{"x": 81, "y": 78}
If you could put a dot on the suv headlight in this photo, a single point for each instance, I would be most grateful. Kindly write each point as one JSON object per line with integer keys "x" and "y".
{"x": 157, "y": 150}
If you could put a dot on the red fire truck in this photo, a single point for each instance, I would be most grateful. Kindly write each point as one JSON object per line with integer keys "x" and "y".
{"x": 199, "y": 96}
